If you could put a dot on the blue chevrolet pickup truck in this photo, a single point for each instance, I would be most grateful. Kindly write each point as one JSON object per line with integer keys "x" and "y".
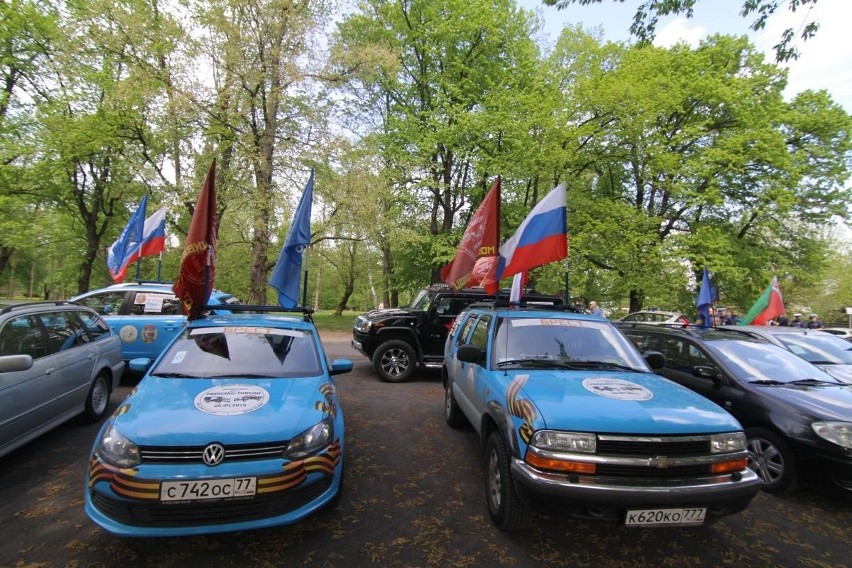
{"x": 573, "y": 420}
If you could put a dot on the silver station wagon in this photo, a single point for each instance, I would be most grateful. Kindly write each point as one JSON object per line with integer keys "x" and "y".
{"x": 57, "y": 361}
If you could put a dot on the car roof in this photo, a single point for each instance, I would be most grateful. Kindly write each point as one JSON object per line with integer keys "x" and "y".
{"x": 143, "y": 285}
{"x": 770, "y": 329}
{"x": 279, "y": 320}
{"x": 44, "y": 307}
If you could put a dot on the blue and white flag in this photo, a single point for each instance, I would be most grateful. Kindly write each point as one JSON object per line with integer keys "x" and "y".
{"x": 288, "y": 270}
{"x": 122, "y": 252}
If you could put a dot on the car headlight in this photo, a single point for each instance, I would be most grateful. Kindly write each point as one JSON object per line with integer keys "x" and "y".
{"x": 839, "y": 433}
{"x": 117, "y": 450}
{"x": 565, "y": 441}
{"x": 727, "y": 443}
{"x": 311, "y": 440}
{"x": 362, "y": 324}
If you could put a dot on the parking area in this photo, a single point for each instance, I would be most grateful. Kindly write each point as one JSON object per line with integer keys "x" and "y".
{"x": 412, "y": 496}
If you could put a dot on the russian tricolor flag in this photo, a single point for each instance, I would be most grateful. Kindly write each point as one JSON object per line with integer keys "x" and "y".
{"x": 541, "y": 238}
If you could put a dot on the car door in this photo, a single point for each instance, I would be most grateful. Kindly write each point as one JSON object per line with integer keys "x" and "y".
{"x": 439, "y": 320}
{"x": 72, "y": 356}
{"x": 149, "y": 322}
{"x": 473, "y": 381}
{"x": 684, "y": 356}
{"x": 25, "y": 395}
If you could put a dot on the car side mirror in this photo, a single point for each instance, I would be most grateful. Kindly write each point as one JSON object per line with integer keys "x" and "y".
{"x": 705, "y": 372}
{"x": 470, "y": 353}
{"x": 655, "y": 359}
{"x": 15, "y": 363}
{"x": 340, "y": 366}
{"x": 140, "y": 365}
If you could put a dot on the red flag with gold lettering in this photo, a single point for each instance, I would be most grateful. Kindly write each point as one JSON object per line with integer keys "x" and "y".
{"x": 479, "y": 243}
{"x": 198, "y": 263}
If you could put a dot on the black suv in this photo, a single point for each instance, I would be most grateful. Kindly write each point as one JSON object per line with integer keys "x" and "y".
{"x": 797, "y": 418}
{"x": 397, "y": 340}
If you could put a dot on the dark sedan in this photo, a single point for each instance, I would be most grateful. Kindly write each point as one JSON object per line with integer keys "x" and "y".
{"x": 798, "y": 419}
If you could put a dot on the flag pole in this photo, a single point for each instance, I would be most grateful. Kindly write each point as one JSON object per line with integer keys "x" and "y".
{"x": 159, "y": 266}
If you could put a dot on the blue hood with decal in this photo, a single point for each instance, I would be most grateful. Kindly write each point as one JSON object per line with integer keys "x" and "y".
{"x": 229, "y": 411}
{"x": 617, "y": 402}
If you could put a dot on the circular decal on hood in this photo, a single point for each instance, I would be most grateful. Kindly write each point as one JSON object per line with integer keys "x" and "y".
{"x": 230, "y": 400}
{"x": 618, "y": 389}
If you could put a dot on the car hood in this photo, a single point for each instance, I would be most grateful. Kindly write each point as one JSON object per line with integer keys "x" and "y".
{"x": 825, "y": 402}
{"x": 387, "y": 313}
{"x": 165, "y": 411}
{"x": 623, "y": 403}
{"x": 842, "y": 373}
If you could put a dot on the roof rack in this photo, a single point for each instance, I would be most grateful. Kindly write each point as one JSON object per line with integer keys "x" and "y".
{"x": 307, "y": 313}
{"x": 535, "y": 304}
{"x": 13, "y": 307}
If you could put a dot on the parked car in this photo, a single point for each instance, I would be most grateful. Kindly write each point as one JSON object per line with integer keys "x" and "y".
{"x": 798, "y": 419}
{"x": 145, "y": 315}
{"x": 236, "y": 426}
{"x": 828, "y": 352}
{"x": 399, "y": 340}
{"x": 573, "y": 421}
{"x": 656, "y": 317}
{"x": 842, "y": 332}
{"x": 57, "y": 361}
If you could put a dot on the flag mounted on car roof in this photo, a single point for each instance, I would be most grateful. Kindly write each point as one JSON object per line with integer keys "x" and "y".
{"x": 706, "y": 297}
{"x": 542, "y": 237}
{"x": 198, "y": 263}
{"x": 288, "y": 269}
{"x": 769, "y": 305}
{"x": 121, "y": 254}
{"x": 478, "y": 247}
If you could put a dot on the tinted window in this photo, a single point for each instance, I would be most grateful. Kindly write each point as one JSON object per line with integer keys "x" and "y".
{"x": 479, "y": 337}
{"x": 22, "y": 336}
{"x": 95, "y": 326}
{"x": 64, "y": 331}
{"x": 106, "y": 303}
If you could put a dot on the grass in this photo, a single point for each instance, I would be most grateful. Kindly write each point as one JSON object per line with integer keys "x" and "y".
{"x": 325, "y": 320}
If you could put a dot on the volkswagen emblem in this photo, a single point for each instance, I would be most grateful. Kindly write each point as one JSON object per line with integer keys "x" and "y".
{"x": 213, "y": 454}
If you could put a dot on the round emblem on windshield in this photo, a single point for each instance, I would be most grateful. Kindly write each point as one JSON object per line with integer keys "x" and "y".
{"x": 617, "y": 389}
{"x": 230, "y": 400}
{"x": 213, "y": 454}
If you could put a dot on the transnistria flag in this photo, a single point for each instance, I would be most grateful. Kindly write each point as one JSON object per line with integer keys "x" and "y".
{"x": 198, "y": 263}
{"x": 478, "y": 244}
{"x": 541, "y": 238}
{"x": 769, "y": 305}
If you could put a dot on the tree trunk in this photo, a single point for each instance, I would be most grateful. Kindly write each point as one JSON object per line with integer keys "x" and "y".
{"x": 637, "y": 298}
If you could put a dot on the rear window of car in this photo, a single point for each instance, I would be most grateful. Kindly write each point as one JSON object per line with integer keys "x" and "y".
{"x": 241, "y": 351}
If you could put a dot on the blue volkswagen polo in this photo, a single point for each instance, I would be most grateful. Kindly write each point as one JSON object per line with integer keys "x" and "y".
{"x": 235, "y": 426}
{"x": 145, "y": 315}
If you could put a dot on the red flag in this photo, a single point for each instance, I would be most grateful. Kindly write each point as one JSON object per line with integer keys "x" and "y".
{"x": 479, "y": 241}
{"x": 198, "y": 264}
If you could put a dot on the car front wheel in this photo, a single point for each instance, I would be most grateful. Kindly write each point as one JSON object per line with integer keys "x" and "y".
{"x": 394, "y": 361}
{"x": 97, "y": 401}
{"x": 505, "y": 507}
{"x": 772, "y": 459}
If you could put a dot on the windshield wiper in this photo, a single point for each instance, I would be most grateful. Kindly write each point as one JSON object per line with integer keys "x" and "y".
{"x": 176, "y": 376}
{"x": 240, "y": 376}
{"x": 767, "y": 382}
{"x": 813, "y": 382}
{"x": 531, "y": 362}
{"x": 599, "y": 365}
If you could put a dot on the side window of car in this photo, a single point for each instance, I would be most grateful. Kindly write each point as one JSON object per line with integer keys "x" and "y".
{"x": 22, "y": 336}
{"x": 479, "y": 337}
{"x": 95, "y": 326}
{"x": 64, "y": 331}
{"x": 153, "y": 303}
{"x": 106, "y": 304}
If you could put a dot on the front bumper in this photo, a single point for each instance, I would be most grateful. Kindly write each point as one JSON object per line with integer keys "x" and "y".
{"x": 356, "y": 345}
{"x": 608, "y": 498}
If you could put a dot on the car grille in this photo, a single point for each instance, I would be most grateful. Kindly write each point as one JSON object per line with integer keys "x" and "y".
{"x": 653, "y": 446}
{"x": 193, "y": 454}
{"x": 205, "y": 513}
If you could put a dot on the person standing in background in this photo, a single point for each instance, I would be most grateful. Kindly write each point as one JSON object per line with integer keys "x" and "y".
{"x": 594, "y": 309}
{"x": 813, "y": 322}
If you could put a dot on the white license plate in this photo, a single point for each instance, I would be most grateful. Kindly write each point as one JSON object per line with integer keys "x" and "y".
{"x": 665, "y": 517}
{"x": 202, "y": 489}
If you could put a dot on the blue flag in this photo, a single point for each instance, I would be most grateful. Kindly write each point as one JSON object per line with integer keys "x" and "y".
{"x": 288, "y": 270}
{"x": 706, "y": 297}
{"x": 120, "y": 254}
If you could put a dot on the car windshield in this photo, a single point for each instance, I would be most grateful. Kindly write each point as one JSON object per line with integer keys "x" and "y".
{"x": 561, "y": 342}
{"x": 422, "y": 301}
{"x": 762, "y": 362}
{"x": 243, "y": 351}
{"x": 820, "y": 348}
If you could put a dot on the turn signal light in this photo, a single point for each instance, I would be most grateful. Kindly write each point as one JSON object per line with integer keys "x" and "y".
{"x": 724, "y": 467}
{"x": 560, "y": 465}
